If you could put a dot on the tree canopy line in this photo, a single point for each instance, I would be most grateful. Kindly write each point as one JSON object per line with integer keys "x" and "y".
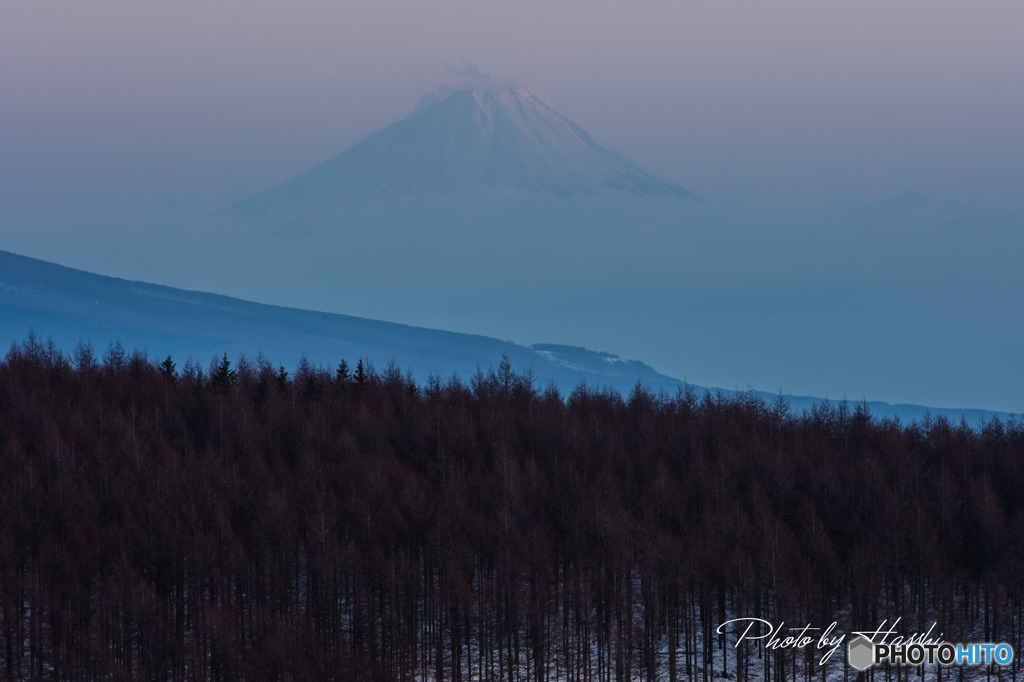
{"x": 246, "y": 522}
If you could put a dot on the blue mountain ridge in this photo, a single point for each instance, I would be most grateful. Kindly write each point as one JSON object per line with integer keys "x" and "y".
{"x": 71, "y": 305}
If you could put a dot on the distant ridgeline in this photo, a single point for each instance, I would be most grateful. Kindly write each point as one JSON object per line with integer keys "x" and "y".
{"x": 70, "y": 306}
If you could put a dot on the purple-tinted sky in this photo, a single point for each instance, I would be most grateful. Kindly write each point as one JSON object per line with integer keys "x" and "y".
{"x": 111, "y": 98}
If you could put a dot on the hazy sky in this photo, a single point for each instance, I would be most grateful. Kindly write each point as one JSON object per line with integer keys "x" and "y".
{"x": 113, "y": 99}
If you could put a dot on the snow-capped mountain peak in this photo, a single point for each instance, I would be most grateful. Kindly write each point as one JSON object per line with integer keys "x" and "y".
{"x": 468, "y": 142}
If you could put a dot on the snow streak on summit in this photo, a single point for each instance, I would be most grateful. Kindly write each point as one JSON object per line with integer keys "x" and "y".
{"x": 466, "y": 143}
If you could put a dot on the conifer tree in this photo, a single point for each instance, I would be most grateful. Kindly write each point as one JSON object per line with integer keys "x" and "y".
{"x": 342, "y": 374}
{"x": 167, "y": 369}
{"x": 222, "y": 377}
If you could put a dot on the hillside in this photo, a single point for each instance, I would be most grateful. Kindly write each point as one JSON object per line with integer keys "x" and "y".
{"x": 70, "y": 305}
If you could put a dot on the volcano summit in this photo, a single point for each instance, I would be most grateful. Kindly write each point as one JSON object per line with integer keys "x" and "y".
{"x": 467, "y": 143}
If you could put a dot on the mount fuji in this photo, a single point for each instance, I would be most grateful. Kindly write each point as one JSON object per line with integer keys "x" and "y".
{"x": 468, "y": 143}
{"x": 482, "y": 206}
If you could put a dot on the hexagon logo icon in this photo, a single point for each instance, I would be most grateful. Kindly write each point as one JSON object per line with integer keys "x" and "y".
{"x": 860, "y": 652}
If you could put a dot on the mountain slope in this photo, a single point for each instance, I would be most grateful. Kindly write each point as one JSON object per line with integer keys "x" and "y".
{"x": 468, "y": 142}
{"x": 69, "y": 305}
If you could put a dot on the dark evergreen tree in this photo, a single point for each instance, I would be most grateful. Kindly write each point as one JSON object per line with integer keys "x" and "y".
{"x": 167, "y": 369}
{"x": 342, "y": 374}
{"x": 222, "y": 376}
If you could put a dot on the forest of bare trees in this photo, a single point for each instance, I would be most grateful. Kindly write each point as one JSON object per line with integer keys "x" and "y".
{"x": 244, "y": 521}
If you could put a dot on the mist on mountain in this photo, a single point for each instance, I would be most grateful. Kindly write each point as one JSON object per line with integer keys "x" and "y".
{"x": 488, "y": 211}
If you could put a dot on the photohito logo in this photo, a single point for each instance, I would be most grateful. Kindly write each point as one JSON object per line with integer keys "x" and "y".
{"x": 862, "y": 653}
